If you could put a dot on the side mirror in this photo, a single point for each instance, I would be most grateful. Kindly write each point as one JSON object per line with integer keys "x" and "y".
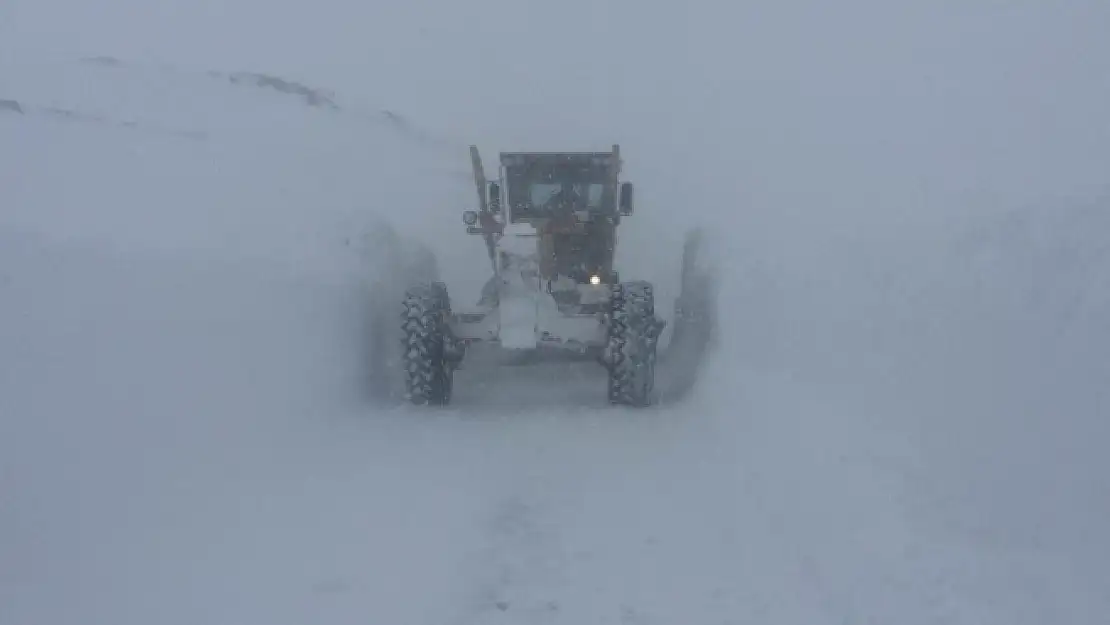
{"x": 626, "y": 199}
{"x": 494, "y": 197}
{"x": 470, "y": 217}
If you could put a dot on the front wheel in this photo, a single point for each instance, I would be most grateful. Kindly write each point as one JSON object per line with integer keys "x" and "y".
{"x": 430, "y": 352}
{"x": 631, "y": 347}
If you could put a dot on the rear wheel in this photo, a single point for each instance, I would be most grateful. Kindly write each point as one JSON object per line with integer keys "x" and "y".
{"x": 631, "y": 347}
{"x": 430, "y": 352}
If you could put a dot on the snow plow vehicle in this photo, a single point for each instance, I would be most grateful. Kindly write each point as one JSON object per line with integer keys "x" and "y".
{"x": 549, "y": 223}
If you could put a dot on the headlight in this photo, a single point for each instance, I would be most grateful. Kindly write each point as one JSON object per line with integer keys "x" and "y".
{"x": 470, "y": 217}
{"x": 595, "y": 280}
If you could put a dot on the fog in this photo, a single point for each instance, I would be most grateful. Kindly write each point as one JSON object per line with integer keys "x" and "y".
{"x": 902, "y": 420}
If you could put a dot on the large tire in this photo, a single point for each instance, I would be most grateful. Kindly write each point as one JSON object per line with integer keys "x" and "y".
{"x": 430, "y": 352}
{"x": 633, "y": 334}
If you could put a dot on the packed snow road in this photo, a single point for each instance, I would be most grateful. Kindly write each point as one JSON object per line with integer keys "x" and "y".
{"x": 186, "y": 443}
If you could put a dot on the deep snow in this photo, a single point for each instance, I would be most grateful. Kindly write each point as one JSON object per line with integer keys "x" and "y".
{"x": 903, "y": 423}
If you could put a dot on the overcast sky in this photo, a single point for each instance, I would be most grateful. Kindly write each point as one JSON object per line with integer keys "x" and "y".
{"x": 800, "y": 115}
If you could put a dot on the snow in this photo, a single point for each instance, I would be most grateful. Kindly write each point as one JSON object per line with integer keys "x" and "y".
{"x": 902, "y": 421}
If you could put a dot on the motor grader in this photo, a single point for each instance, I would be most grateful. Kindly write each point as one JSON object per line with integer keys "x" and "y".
{"x": 549, "y": 222}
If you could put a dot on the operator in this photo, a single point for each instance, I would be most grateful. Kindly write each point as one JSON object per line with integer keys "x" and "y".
{"x": 561, "y": 228}
{"x": 564, "y": 202}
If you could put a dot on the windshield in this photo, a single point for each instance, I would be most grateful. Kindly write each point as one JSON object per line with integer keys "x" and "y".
{"x": 581, "y": 196}
{"x": 545, "y": 192}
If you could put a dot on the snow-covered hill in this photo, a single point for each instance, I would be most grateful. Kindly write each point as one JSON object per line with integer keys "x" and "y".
{"x": 902, "y": 421}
